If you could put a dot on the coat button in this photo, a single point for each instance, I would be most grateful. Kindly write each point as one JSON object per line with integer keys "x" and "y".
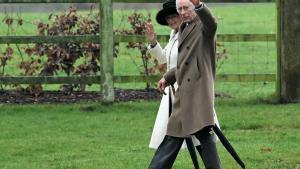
{"x": 186, "y": 63}
{"x": 177, "y": 67}
{"x": 187, "y": 47}
{"x": 188, "y": 79}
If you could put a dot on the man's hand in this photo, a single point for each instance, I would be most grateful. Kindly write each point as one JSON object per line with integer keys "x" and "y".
{"x": 162, "y": 84}
{"x": 196, "y": 2}
{"x": 150, "y": 33}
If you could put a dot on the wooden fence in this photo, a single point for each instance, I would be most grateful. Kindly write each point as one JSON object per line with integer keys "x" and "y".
{"x": 106, "y": 39}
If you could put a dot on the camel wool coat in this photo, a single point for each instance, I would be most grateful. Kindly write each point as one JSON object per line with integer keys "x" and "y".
{"x": 193, "y": 106}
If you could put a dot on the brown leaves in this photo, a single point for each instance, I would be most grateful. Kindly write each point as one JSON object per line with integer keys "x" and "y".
{"x": 87, "y": 69}
{"x": 63, "y": 56}
{"x": 222, "y": 55}
{"x": 72, "y": 11}
{"x": 35, "y": 90}
{"x": 160, "y": 68}
{"x": 30, "y": 67}
{"x": 20, "y": 22}
{"x": 41, "y": 29}
{"x": 9, "y": 21}
{"x": 7, "y": 55}
{"x": 59, "y": 58}
{"x": 222, "y": 52}
{"x": 29, "y": 51}
{"x": 138, "y": 23}
{"x": 9, "y": 52}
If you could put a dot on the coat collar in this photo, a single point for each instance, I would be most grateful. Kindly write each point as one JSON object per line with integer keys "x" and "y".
{"x": 186, "y": 29}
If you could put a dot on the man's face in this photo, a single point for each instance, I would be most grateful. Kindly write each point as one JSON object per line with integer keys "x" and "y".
{"x": 185, "y": 8}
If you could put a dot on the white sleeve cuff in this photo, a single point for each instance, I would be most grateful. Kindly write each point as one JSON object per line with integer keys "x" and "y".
{"x": 158, "y": 52}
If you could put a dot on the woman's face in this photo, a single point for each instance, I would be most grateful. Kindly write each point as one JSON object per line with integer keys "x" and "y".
{"x": 173, "y": 21}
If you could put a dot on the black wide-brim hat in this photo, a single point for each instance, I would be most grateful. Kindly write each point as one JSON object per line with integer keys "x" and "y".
{"x": 169, "y": 7}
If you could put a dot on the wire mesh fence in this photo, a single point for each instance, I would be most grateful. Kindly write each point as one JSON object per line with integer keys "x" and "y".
{"x": 251, "y": 57}
{"x": 239, "y": 57}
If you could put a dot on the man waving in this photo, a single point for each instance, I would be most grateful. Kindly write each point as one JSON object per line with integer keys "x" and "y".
{"x": 193, "y": 106}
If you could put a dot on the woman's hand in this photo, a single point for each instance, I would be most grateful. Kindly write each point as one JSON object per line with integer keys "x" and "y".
{"x": 150, "y": 33}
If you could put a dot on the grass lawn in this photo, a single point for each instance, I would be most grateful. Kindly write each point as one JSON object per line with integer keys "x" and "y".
{"x": 93, "y": 136}
{"x": 90, "y": 135}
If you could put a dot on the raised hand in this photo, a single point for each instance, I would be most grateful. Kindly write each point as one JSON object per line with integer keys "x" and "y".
{"x": 150, "y": 33}
{"x": 196, "y": 2}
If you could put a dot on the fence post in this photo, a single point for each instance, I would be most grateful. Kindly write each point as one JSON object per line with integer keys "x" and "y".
{"x": 289, "y": 50}
{"x": 278, "y": 44}
{"x": 106, "y": 51}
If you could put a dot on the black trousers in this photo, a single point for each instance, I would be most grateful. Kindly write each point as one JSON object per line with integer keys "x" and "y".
{"x": 166, "y": 153}
{"x": 189, "y": 142}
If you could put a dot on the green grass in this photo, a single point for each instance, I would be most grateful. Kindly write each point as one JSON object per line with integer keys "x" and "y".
{"x": 90, "y": 135}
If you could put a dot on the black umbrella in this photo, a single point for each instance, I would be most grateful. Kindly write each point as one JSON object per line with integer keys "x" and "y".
{"x": 191, "y": 148}
{"x": 228, "y": 146}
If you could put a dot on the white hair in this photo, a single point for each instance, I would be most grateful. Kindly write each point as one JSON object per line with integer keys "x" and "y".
{"x": 189, "y": 4}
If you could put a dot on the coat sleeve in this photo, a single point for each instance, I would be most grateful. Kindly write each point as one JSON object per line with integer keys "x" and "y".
{"x": 208, "y": 20}
{"x": 159, "y": 53}
{"x": 170, "y": 76}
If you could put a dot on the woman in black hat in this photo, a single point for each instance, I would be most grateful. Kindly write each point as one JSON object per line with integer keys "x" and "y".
{"x": 167, "y": 16}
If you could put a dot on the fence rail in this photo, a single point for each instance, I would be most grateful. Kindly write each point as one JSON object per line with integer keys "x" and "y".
{"x": 96, "y": 79}
{"x": 126, "y": 79}
{"x": 127, "y": 38}
{"x": 126, "y": 1}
